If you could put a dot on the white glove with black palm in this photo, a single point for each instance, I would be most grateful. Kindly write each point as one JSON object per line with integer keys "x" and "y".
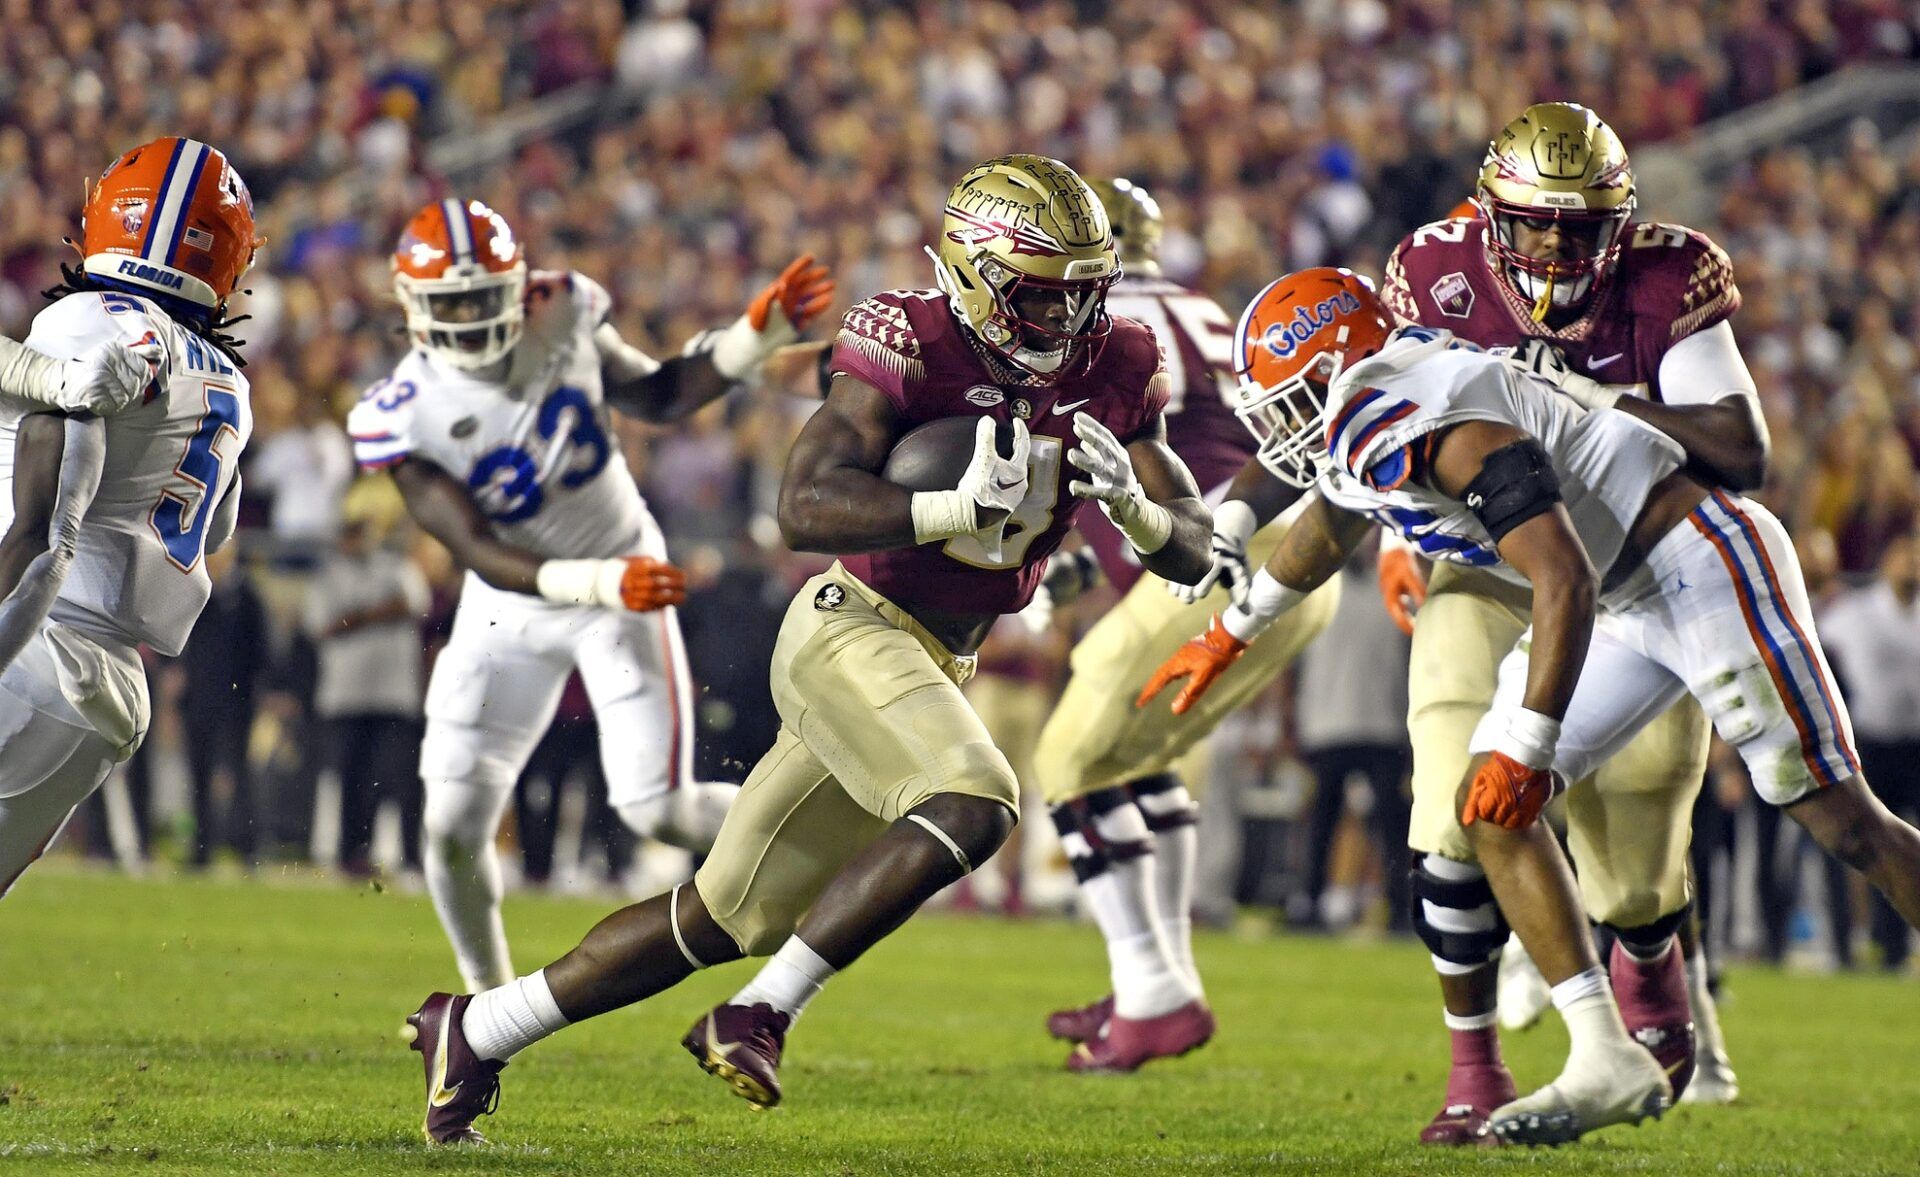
{"x": 1544, "y": 361}
{"x": 1233, "y": 526}
{"x": 989, "y": 481}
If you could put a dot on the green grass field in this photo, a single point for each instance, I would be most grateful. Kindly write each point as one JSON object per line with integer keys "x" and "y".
{"x": 219, "y": 1027}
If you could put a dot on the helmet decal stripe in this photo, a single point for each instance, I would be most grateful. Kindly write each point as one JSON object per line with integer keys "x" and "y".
{"x": 155, "y": 233}
{"x": 459, "y": 231}
{"x": 1243, "y": 336}
{"x": 187, "y": 188}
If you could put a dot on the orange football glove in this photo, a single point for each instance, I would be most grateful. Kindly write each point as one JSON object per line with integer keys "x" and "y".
{"x": 1205, "y": 659}
{"x": 803, "y": 290}
{"x": 1402, "y": 585}
{"x": 1508, "y": 793}
{"x": 650, "y": 584}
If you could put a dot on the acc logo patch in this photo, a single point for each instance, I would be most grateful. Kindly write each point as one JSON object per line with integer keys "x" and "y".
{"x": 829, "y": 598}
{"x": 1453, "y": 295}
{"x": 984, "y": 395}
{"x": 464, "y": 427}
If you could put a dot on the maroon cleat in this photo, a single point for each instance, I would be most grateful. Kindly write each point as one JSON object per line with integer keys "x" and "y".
{"x": 1473, "y": 1092}
{"x": 1124, "y": 1044}
{"x": 742, "y": 1044}
{"x": 1653, "y": 1004}
{"x": 461, "y": 1086}
{"x": 1083, "y": 1024}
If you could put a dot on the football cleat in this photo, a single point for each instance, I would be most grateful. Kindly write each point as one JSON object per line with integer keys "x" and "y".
{"x": 1713, "y": 1080}
{"x": 1082, "y": 1024}
{"x": 1125, "y": 1044}
{"x": 1472, "y": 1094}
{"x": 461, "y": 1086}
{"x": 1601, "y": 1086}
{"x": 741, "y": 1044}
{"x": 1653, "y": 1004}
{"x": 1524, "y": 993}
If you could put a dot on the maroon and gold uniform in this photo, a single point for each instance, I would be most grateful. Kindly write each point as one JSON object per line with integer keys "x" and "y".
{"x": 1628, "y": 824}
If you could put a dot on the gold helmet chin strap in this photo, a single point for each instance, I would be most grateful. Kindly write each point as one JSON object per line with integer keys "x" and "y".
{"x": 1544, "y": 303}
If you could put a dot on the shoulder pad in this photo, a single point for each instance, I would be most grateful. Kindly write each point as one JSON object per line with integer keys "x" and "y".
{"x": 381, "y": 424}
{"x": 1680, "y": 275}
{"x": 878, "y": 344}
{"x": 79, "y": 321}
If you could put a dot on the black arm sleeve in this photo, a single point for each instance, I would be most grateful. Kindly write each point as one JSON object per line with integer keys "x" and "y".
{"x": 1515, "y": 483}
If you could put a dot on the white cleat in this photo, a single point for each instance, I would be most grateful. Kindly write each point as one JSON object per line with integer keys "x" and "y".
{"x": 1713, "y": 1080}
{"x": 1524, "y": 993}
{"x": 1602, "y": 1086}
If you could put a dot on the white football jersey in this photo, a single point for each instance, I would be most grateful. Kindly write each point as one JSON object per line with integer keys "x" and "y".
{"x": 1424, "y": 380}
{"x": 532, "y": 446}
{"x": 138, "y": 573}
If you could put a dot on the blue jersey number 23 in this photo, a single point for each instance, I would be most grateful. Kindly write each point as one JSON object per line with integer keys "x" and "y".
{"x": 181, "y": 521}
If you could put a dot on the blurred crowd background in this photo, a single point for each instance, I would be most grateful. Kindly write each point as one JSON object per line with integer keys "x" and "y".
{"x": 681, "y": 151}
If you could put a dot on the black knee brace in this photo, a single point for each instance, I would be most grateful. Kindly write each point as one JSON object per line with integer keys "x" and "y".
{"x": 1647, "y": 940}
{"x": 1164, "y": 802}
{"x": 1096, "y": 833}
{"x": 1474, "y": 930}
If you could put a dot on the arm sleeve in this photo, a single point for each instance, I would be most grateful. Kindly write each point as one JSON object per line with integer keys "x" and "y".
{"x": 22, "y": 612}
{"x": 1706, "y": 367}
{"x": 620, "y": 360}
{"x": 226, "y": 516}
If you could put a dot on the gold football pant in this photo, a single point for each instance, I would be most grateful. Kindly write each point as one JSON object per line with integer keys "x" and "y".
{"x": 872, "y": 723}
{"x": 1096, "y": 738}
{"x": 1627, "y": 825}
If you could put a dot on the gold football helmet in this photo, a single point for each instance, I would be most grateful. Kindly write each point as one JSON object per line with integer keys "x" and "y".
{"x": 1557, "y": 166}
{"x": 1137, "y": 223}
{"x": 1026, "y": 257}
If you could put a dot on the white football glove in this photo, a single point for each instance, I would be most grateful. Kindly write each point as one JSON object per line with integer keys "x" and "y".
{"x": 1110, "y": 480}
{"x": 990, "y": 481}
{"x": 1233, "y": 526}
{"x": 108, "y": 378}
{"x": 1544, "y": 361}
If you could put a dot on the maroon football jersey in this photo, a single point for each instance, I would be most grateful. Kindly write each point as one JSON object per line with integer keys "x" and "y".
{"x": 909, "y": 345}
{"x": 1669, "y": 283}
{"x": 1197, "y": 337}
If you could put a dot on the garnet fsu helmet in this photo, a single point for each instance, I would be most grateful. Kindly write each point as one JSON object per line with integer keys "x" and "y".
{"x": 1293, "y": 341}
{"x": 1015, "y": 226}
{"x": 1137, "y": 223}
{"x": 171, "y": 217}
{"x": 1556, "y": 165}
{"x": 459, "y": 273}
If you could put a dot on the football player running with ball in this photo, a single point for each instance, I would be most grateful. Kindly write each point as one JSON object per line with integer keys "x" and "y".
{"x": 883, "y": 786}
{"x": 495, "y": 429}
{"x": 109, "y": 516}
{"x": 1589, "y": 510}
{"x": 1554, "y": 267}
{"x": 1106, "y": 768}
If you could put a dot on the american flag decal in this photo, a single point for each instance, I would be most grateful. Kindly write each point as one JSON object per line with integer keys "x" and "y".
{"x": 199, "y": 238}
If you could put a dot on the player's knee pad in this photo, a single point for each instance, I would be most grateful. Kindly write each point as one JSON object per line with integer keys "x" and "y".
{"x": 1100, "y": 829}
{"x": 1455, "y": 914}
{"x": 463, "y": 814}
{"x": 1164, "y": 802}
{"x": 1647, "y": 940}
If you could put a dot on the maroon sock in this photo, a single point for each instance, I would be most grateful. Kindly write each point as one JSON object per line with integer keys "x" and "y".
{"x": 1476, "y": 1048}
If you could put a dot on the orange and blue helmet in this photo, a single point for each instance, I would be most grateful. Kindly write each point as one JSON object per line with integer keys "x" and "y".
{"x": 460, "y": 273}
{"x": 172, "y": 217}
{"x": 1293, "y": 341}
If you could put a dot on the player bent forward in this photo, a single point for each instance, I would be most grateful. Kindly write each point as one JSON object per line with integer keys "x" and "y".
{"x": 883, "y": 787}
{"x": 1700, "y": 594}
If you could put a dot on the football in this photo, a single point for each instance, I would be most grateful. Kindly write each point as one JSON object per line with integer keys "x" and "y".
{"x": 934, "y": 456}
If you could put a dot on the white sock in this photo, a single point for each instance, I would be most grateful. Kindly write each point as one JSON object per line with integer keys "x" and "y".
{"x": 1178, "y": 852}
{"x": 1146, "y": 982}
{"x": 1585, "y": 1001}
{"x": 1706, "y": 1012}
{"x": 788, "y": 980}
{"x": 463, "y": 876}
{"x": 1466, "y": 1022}
{"x": 502, "y": 1022}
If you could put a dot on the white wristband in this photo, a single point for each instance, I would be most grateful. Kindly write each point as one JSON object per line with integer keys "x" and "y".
{"x": 737, "y": 350}
{"x": 581, "y": 582}
{"x": 1235, "y": 520}
{"x": 942, "y": 514}
{"x": 1589, "y": 393}
{"x": 30, "y": 375}
{"x": 1146, "y": 524}
{"x": 1267, "y": 599}
{"x": 1529, "y": 737}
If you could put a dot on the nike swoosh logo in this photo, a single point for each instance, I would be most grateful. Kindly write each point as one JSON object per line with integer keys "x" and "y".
{"x": 1596, "y": 365}
{"x": 1060, "y": 410}
{"x": 715, "y": 1050}
{"x": 1003, "y": 484}
{"x": 442, "y": 1094}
